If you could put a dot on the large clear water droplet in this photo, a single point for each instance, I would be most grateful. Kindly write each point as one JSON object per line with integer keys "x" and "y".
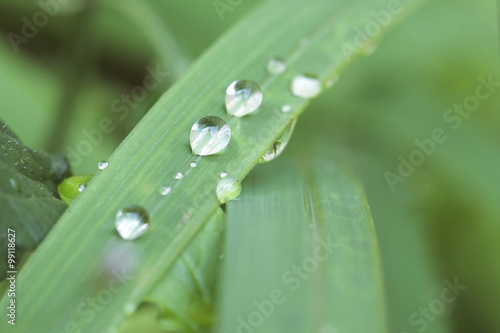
{"x": 228, "y": 188}
{"x": 209, "y": 135}
{"x": 132, "y": 222}
{"x": 306, "y": 86}
{"x": 276, "y": 66}
{"x": 102, "y": 165}
{"x": 279, "y": 146}
{"x": 243, "y": 97}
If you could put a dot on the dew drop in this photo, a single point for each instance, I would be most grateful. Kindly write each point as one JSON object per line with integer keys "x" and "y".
{"x": 370, "y": 49}
{"x": 81, "y": 188}
{"x": 223, "y": 174}
{"x": 243, "y": 97}
{"x": 14, "y": 184}
{"x": 209, "y": 135}
{"x": 228, "y": 188}
{"x": 276, "y": 66}
{"x": 279, "y": 146}
{"x": 286, "y": 108}
{"x": 129, "y": 309}
{"x": 102, "y": 165}
{"x": 331, "y": 81}
{"x": 132, "y": 222}
{"x": 306, "y": 86}
{"x": 165, "y": 190}
{"x": 327, "y": 328}
{"x": 179, "y": 175}
{"x": 193, "y": 165}
{"x": 305, "y": 41}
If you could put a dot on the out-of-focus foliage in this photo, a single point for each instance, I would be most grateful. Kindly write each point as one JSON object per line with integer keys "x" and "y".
{"x": 440, "y": 223}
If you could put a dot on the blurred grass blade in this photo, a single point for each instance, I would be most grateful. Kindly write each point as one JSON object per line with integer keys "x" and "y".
{"x": 83, "y": 256}
{"x": 301, "y": 254}
{"x": 171, "y": 53}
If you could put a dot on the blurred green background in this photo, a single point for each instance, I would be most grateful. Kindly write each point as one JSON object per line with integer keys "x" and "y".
{"x": 441, "y": 223}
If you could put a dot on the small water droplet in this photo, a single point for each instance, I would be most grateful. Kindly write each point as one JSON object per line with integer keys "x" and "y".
{"x": 331, "y": 81}
{"x": 305, "y": 41}
{"x": 228, "y": 188}
{"x": 276, "y": 66}
{"x": 193, "y": 165}
{"x": 179, "y": 175}
{"x": 132, "y": 222}
{"x": 223, "y": 174}
{"x": 286, "y": 108}
{"x": 209, "y": 135}
{"x": 81, "y": 188}
{"x": 129, "y": 309}
{"x": 280, "y": 144}
{"x": 327, "y": 328}
{"x": 306, "y": 86}
{"x": 14, "y": 184}
{"x": 243, "y": 97}
{"x": 102, "y": 165}
{"x": 370, "y": 49}
{"x": 165, "y": 190}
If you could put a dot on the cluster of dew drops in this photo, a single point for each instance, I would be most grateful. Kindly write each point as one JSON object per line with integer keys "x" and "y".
{"x": 210, "y": 135}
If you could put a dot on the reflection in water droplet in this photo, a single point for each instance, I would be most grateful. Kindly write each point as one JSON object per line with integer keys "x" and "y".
{"x": 132, "y": 222}
{"x": 102, "y": 165}
{"x": 209, "y": 135}
{"x": 276, "y": 66}
{"x": 228, "y": 188}
{"x": 81, "y": 188}
{"x": 286, "y": 108}
{"x": 223, "y": 174}
{"x": 165, "y": 190}
{"x": 179, "y": 175}
{"x": 280, "y": 144}
{"x": 243, "y": 97}
{"x": 306, "y": 86}
{"x": 193, "y": 165}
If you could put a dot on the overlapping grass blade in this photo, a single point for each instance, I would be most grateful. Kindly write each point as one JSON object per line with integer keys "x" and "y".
{"x": 301, "y": 254}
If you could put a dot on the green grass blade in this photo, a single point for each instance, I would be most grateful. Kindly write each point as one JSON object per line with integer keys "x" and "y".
{"x": 83, "y": 256}
{"x": 301, "y": 254}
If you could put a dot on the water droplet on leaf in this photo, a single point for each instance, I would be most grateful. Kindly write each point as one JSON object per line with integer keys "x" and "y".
{"x": 193, "y": 165}
{"x": 223, "y": 174}
{"x": 71, "y": 187}
{"x": 179, "y": 175}
{"x": 243, "y": 97}
{"x": 132, "y": 222}
{"x": 331, "y": 81}
{"x": 102, "y": 165}
{"x": 276, "y": 66}
{"x": 209, "y": 135}
{"x": 228, "y": 188}
{"x": 286, "y": 108}
{"x": 165, "y": 190}
{"x": 306, "y": 86}
{"x": 279, "y": 146}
